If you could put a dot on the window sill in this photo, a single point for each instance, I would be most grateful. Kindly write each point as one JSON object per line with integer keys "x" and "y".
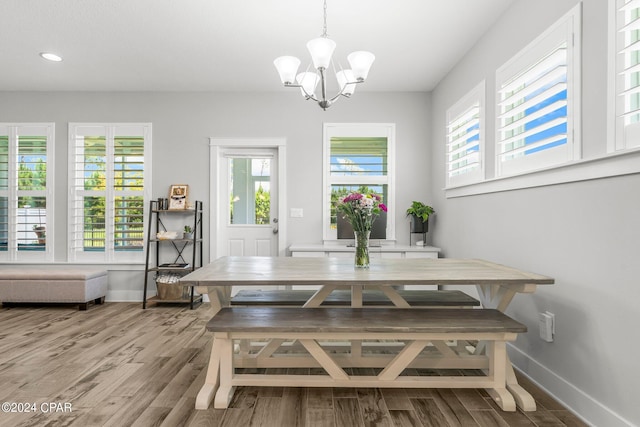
{"x": 616, "y": 164}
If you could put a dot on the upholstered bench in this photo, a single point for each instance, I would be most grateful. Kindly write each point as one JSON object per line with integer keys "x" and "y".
{"x": 71, "y": 285}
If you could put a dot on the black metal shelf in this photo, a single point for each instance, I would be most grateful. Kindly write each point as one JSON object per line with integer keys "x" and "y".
{"x": 153, "y": 265}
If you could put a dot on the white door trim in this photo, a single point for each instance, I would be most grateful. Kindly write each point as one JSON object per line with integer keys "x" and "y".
{"x": 216, "y": 145}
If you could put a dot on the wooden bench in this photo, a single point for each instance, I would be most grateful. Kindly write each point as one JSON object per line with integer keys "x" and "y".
{"x": 342, "y": 298}
{"x": 53, "y": 285}
{"x": 416, "y": 329}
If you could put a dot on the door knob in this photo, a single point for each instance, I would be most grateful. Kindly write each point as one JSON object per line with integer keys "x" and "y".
{"x": 275, "y": 225}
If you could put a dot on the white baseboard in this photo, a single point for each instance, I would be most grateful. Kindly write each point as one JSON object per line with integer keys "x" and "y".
{"x": 580, "y": 403}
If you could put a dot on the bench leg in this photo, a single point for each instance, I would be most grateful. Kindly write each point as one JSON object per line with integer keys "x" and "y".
{"x": 225, "y": 391}
{"x": 99, "y": 300}
{"x": 498, "y": 365}
{"x": 524, "y": 400}
{"x": 402, "y": 360}
{"x": 503, "y": 399}
{"x": 206, "y": 393}
{"x": 83, "y": 306}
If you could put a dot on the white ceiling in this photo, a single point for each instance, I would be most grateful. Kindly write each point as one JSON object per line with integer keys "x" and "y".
{"x": 229, "y": 45}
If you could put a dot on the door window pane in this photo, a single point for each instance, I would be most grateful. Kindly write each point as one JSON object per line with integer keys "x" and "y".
{"x": 250, "y": 191}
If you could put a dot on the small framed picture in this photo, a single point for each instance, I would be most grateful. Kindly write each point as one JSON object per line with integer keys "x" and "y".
{"x": 178, "y": 196}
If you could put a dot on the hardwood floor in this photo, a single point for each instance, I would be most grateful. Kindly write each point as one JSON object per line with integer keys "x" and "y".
{"x": 119, "y": 365}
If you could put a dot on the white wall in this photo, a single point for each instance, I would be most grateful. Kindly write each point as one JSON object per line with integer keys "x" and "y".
{"x": 583, "y": 234}
{"x": 183, "y": 122}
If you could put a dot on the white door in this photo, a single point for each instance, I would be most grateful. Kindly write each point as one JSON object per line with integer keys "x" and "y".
{"x": 248, "y": 204}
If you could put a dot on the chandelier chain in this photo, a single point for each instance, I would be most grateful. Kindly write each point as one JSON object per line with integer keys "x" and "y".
{"x": 324, "y": 27}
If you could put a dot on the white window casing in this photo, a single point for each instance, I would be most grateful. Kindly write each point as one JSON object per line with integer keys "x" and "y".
{"x": 625, "y": 74}
{"x": 109, "y": 191}
{"x": 26, "y": 192}
{"x": 538, "y": 102}
{"x": 465, "y": 140}
{"x": 382, "y": 136}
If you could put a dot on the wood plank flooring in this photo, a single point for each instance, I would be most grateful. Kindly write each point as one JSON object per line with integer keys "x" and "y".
{"x": 119, "y": 365}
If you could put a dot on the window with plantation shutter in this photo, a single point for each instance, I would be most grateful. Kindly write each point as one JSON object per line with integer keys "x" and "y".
{"x": 465, "y": 139}
{"x": 26, "y": 192}
{"x": 357, "y": 157}
{"x": 537, "y": 102}
{"x": 627, "y": 74}
{"x": 110, "y": 180}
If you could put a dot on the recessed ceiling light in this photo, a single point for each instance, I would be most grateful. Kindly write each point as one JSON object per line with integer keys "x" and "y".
{"x": 51, "y": 56}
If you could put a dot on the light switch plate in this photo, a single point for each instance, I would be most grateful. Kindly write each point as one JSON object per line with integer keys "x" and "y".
{"x": 296, "y": 213}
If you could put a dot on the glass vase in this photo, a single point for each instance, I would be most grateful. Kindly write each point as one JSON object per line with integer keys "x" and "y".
{"x": 362, "y": 248}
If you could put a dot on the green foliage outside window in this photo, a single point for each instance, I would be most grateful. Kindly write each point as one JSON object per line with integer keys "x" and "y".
{"x": 29, "y": 179}
{"x": 129, "y": 210}
{"x": 263, "y": 206}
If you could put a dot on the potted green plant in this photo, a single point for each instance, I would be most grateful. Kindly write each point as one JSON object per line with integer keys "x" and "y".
{"x": 41, "y": 233}
{"x": 419, "y": 213}
{"x": 188, "y": 232}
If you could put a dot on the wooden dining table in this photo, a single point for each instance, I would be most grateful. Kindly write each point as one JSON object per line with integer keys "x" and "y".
{"x": 496, "y": 284}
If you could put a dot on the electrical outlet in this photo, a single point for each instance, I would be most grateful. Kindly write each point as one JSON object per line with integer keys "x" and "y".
{"x": 547, "y": 324}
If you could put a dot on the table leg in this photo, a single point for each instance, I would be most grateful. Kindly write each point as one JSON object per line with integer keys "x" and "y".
{"x": 356, "y": 296}
{"x": 356, "y": 301}
{"x": 394, "y": 297}
{"x": 320, "y": 295}
{"x": 219, "y": 296}
{"x": 499, "y": 297}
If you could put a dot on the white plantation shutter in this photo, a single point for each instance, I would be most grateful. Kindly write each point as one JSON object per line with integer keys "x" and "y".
{"x": 109, "y": 185}
{"x": 128, "y": 190}
{"x": 26, "y": 192}
{"x": 87, "y": 183}
{"x": 627, "y": 61}
{"x": 465, "y": 139}
{"x": 536, "y": 117}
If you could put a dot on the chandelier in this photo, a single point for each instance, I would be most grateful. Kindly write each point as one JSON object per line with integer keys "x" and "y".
{"x": 321, "y": 49}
